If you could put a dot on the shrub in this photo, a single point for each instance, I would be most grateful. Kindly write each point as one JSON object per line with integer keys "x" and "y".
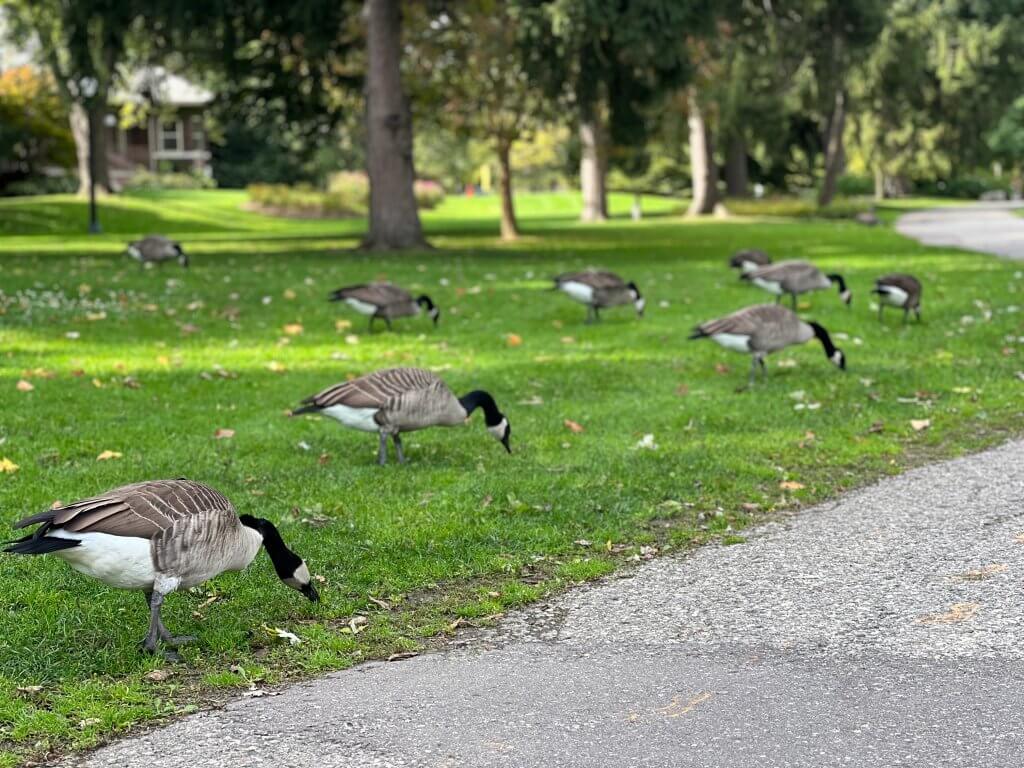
{"x": 965, "y": 187}
{"x": 348, "y": 194}
{"x": 429, "y": 194}
{"x": 798, "y": 207}
{"x": 43, "y": 185}
{"x": 145, "y": 181}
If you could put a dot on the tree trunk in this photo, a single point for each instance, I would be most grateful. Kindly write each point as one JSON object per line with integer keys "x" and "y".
{"x": 593, "y": 165}
{"x": 80, "y": 121}
{"x": 702, "y": 162}
{"x": 879, "y": 184}
{"x": 509, "y": 227}
{"x": 394, "y": 218}
{"x": 736, "y": 179}
{"x": 834, "y": 154}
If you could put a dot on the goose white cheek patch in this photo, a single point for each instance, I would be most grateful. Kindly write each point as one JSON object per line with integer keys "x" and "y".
{"x": 300, "y": 578}
{"x": 498, "y": 430}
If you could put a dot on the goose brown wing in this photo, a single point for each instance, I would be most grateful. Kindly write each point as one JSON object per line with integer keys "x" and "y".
{"x": 907, "y": 283}
{"x": 379, "y": 294}
{"x": 374, "y": 390}
{"x": 749, "y": 321}
{"x": 142, "y": 509}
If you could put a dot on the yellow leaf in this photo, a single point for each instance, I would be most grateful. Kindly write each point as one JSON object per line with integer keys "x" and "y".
{"x": 293, "y": 329}
{"x": 790, "y": 485}
{"x": 97, "y": 383}
{"x": 94, "y": 316}
{"x": 342, "y": 325}
{"x": 514, "y": 340}
{"x": 24, "y": 386}
{"x": 920, "y": 424}
{"x": 224, "y": 434}
{"x": 289, "y": 294}
{"x": 108, "y": 455}
{"x": 573, "y": 426}
{"x": 276, "y": 367}
{"x": 958, "y": 612}
{"x": 7, "y": 466}
{"x": 163, "y": 360}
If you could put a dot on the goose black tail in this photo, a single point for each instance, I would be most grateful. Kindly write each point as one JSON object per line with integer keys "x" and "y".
{"x": 39, "y": 545}
{"x": 698, "y": 333}
{"x": 305, "y": 409}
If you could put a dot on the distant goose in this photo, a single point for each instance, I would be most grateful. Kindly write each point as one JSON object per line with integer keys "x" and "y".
{"x": 599, "y": 290}
{"x": 159, "y": 536}
{"x": 385, "y": 301}
{"x": 156, "y": 249}
{"x": 763, "y": 329}
{"x": 898, "y": 290}
{"x": 793, "y": 278}
{"x": 748, "y": 261}
{"x": 398, "y": 400}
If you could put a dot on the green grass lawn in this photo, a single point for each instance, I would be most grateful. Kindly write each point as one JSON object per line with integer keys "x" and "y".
{"x": 151, "y": 363}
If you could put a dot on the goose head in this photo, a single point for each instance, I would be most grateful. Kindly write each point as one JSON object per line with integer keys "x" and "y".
{"x": 638, "y": 301}
{"x": 290, "y": 568}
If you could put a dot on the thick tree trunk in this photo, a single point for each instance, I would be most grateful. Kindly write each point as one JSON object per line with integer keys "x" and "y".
{"x": 834, "y": 152}
{"x": 509, "y": 226}
{"x": 394, "y": 218}
{"x": 737, "y": 181}
{"x": 703, "y": 171}
{"x": 80, "y": 123}
{"x": 593, "y": 165}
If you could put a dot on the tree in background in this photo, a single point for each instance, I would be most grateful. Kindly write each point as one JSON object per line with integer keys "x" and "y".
{"x": 469, "y": 56}
{"x": 34, "y": 132}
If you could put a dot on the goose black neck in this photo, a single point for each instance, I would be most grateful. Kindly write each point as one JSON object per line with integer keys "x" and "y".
{"x": 835, "y": 278}
{"x": 425, "y": 302}
{"x": 480, "y": 399}
{"x": 285, "y": 561}
{"x": 824, "y": 338}
{"x": 636, "y": 290}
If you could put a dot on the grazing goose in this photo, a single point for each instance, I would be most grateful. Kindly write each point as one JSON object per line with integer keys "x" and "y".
{"x": 898, "y": 290}
{"x": 748, "y": 261}
{"x": 795, "y": 277}
{"x": 763, "y": 329}
{"x": 400, "y": 400}
{"x": 599, "y": 290}
{"x": 156, "y": 249}
{"x": 385, "y": 301}
{"x": 159, "y": 536}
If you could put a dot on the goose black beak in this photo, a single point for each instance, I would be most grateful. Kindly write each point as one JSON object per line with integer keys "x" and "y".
{"x": 310, "y": 591}
{"x": 504, "y": 441}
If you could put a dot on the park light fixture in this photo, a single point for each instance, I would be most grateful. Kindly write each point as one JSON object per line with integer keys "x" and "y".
{"x": 87, "y": 88}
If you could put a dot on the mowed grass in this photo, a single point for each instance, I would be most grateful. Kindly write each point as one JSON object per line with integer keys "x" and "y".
{"x": 151, "y": 363}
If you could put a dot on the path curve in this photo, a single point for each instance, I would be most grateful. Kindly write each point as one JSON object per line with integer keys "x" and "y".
{"x": 987, "y": 227}
{"x": 886, "y": 628}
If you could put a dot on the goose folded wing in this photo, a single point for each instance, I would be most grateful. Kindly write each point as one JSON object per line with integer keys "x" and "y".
{"x": 142, "y": 509}
{"x": 379, "y": 294}
{"x": 374, "y": 390}
{"x": 594, "y": 278}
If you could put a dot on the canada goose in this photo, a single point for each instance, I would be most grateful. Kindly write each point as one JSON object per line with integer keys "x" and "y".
{"x": 386, "y": 301}
{"x": 763, "y": 329}
{"x": 795, "y": 277}
{"x": 155, "y": 249}
{"x": 868, "y": 219}
{"x": 898, "y": 290}
{"x": 747, "y": 261}
{"x": 398, "y": 400}
{"x": 599, "y": 290}
{"x": 159, "y": 536}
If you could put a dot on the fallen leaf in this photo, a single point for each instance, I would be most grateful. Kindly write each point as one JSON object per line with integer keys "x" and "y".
{"x": 284, "y": 634}
{"x": 7, "y": 466}
{"x": 72, "y": 335}
{"x": 514, "y": 340}
{"x": 568, "y": 340}
{"x": 323, "y": 459}
{"x": 355, "y": 625}
{"x": 682, "y": 390}
{"x": 293, "y": 329}
{"x": 342, "y": 325}
{"x": 957, "y": 613}
{"x": 157, "y": 675}
{"x": 30, "y": 690}
{"x": 402, "y": 655}
{"x": 276, "y": 367}
{"x": 920, "y": 424}
{"x": 573, "y": 426}
{"x": 876, "y": 427}
{"x": 188, "y": 328}
{"x": 646, "y": 443}
{"x": 107, "y": 455}
{"x": 78, "y": 373}
{"x": 722, "y": 369}
{"x": 583, "y": 543}
{"x": 534, "y": 400}
{"x": 791, "y": 485}
{"x": 88, "y": 722}
{"x": 985, "y": 572}
{"x": 351, "y": 339}
{"x": 384, "y": 605}
{"x": 1019, "y": 538}
{"x": 749, "y": 506}
{"x": 24, "y": 386}
{"x": 289, "y": 294}
{"x": 223, "y": 434}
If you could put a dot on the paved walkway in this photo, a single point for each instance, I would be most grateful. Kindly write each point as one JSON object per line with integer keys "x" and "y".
{"x": 986, "y": 227}
{"x": 886, "y": 629}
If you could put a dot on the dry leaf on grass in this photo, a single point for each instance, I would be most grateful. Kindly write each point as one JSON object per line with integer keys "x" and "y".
{"x": 289, "y": 294}
{"x": 384, "y": 605}
{"x": 342, "y": 325}
{"x": 957, "y": 613}
{"x": 920, "y": 424}
{"x": 276, "y": 367}
{"x": 157, "y": 675}
{"x": 293, "y": 329}
{"x": 573, "y": 426}
{"x": 646, "y": 443}
{"x": 402, "y": 655}
{"x": 284, "y": 634}
{"x": 722, "y": 369}
{"x": 7, "y": 466}
{"x": 30, "y": 690}
{"x": 24, "y": 386}
{"x": 876, "y": 427}
{"x": 108, "y": 455}
{"x": 224, "y": 434}
{"x": 513, "y": 340}
{"x": 1019, "y": 538}
{"x": 790, "y": 485}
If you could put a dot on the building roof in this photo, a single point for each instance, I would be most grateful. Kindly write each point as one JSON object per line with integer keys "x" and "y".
{"x": 161, "y": 87}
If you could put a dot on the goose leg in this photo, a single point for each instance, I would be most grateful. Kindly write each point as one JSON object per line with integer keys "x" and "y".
{"x": 382, "y": 452}
{"x": 590, "y": 314}
{"x": 764, "y": 368}
{"x": 792, "y": 298}
{"x": 753, "y": 371}
{"x": 398, "y": 448}
{"x": 151, "y": 643}
{"x": 372, "y": 318}
{"x": 164, "y": 633}
{"x": 917, "y": 313}
{"x": 906, "y": 314}
{"x": 778, "y": 298}
{"x": 388, "y": 321}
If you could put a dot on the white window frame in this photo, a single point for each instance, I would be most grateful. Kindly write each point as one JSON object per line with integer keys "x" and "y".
{"x": 179, "y": 136}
